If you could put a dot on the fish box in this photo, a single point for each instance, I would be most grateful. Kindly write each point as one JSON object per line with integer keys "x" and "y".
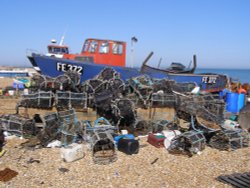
{"x": 72, "y": 152}
{"x": 156, "y": 140}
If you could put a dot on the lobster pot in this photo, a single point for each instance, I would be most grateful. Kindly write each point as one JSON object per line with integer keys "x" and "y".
{"x": 162, "y": 100}
{"x": 40, "y": 99}
{"x": 190, "y": 143}
{"x": 51, "y": 130}
{"x": 103, "y": 148}
{"x": 230, "y": 140}
{"x": 71, "y": 100}
{"x": 108, "y": 73}
{"x": 70, "y": 126}
{"x": 69, "y": 133}
{"x": 67, "y": 116}
{"x": 105, "y": 96}
{"x": 183, "y": 87}
{"x": 206, "y": 107}
{"x": 18, "y": 125}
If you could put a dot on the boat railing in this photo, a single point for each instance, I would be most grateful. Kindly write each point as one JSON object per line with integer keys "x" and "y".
{"x": 29, "y": 52}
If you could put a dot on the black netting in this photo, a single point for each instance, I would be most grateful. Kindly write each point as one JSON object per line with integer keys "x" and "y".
{"x": 39, "y": 99}
{"x": 18, "y": 125}
{"x": 189, "y": 143}
{"x": 230, "y": 140}
{"x": 108, "y": 73}
{"x": 65, "y": 100}
{"x": 51, "y": 130}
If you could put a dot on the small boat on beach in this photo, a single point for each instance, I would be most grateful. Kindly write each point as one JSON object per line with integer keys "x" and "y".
{"x": 207, "y": 81}
{"x": 97, "y": 54}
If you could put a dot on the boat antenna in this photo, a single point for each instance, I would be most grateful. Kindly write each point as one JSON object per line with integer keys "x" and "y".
{"x": 62, "y": 39}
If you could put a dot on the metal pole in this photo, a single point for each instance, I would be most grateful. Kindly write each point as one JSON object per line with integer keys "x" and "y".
{"x": 132, "y": 54}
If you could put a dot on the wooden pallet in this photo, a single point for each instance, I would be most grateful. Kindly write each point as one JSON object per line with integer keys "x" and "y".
{"x": 236, "y": 180}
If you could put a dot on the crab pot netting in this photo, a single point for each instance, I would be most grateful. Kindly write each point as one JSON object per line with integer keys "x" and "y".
{"x": 18, "y": 125}
{"x": 51, "y": 130}
{"x": 189, "y": 143}
{"x": 230, "y": 140}
{"x": 68, "y": 81}
{"x": 123, "y": 110}
{"x": 39, "y": 82}
{"x": 108, "y": 73}
{"x": 70, "y": 126}
{"x": 142, "y": 86}
{"x": 40, "y": 99}
{"x": 166, "y": 86}
{"x": 90, "y": 86}
{"x": 74, "y": 77}
{"x": 203, "y": 106}
{"x": 63, "y": 82}
{"x": 183, "y": 87}
{"x": 103, "y": 147}
{"x": 160, "y": 100}
{"x": 71, "y": 100}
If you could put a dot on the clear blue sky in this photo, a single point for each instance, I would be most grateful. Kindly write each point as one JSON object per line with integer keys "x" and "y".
{"x": 218, "y": 31}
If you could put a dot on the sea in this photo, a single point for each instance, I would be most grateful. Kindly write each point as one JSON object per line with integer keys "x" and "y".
{"x": 237, "y": 75}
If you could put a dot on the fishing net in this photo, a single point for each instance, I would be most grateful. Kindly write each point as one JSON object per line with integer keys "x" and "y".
{"x": 38, "y": 81}
{"x": 166, "y": 86}
{"x": 230, "y": 140}
{"x": 142, "y": 88}
{"x": 63, "y": 83}
{"x": 162, "y": 100}
{"x": 183, "y": 87}
{"x": 108, "y": 73}
{"x": 103, "y": 148}
{"x": 189, "y": 143}
{"x": 123, "y": 113}
{"x": 18, "y": 125}
{"x": 51, "y": 130}
{"x": 39, "y": 99}
{"x": 70, "y": 126}
{"x": 203, "y": 106}
{"x": 68, "y": 99}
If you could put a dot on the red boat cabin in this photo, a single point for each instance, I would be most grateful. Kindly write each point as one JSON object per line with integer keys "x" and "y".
{"x": 108, "y": 52}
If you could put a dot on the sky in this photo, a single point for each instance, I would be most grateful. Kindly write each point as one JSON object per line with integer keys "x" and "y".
{"x": 217, "y": 31}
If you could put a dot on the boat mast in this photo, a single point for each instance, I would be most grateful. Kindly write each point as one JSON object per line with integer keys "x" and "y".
{"x": 62, "y": 39}
{"x": 133, "y": 40}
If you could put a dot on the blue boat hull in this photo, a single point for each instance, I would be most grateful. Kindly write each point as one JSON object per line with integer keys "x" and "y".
{"x": 207, "y": 82}
{"x": 53, "y": 67}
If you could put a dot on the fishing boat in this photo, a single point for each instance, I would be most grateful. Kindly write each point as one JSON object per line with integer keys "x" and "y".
{"x": 207, "y": 81}
{"x": 57, "y": 50}
{"x": 97, "y": 54}
{"x": 179, "y": 68}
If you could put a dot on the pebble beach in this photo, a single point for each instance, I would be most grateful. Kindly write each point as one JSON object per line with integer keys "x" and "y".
{"x": 151, "y": 167}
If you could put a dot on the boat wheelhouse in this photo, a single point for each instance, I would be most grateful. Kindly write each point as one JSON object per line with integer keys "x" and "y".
{"x": 98, "y": 51}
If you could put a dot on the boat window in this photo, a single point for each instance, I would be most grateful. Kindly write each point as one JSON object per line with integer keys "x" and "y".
{"x": 85, "y": 46}
{"x": 93, "y": 46}
{"x": 117, "y": 48}
{"x": 104, "y": 48}
{"x": 50, "y": 49}
{"x": 55, "y": 50}
{"x": 65, "y": 50}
